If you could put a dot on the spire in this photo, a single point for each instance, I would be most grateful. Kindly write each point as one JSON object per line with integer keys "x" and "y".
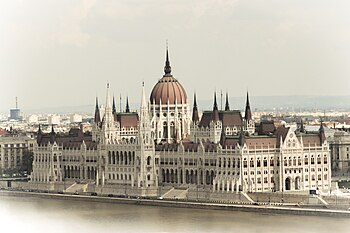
{"x": 302, "y": 128}
{"x": 97, "y": 113}
{"x": 108, "y": 101}
{"x": 215, "y": 103}
{"x": 167, "y": 68}
{"x": 108, "y": 116}
{"x": 52, "y": 130}
{"x": 321, "y": 133}
{"x": 39, "y": 130}
{"x": 143, "y": 97}
{"x": 241, "y": 139}
{"x": 114, "y": 110}
{"x": 195, "y": 117}
{"x": 227, "y": 105}
{"x": 127, "y": 109}
{"x": 40, "y": 135}
{"x": 248, "y": 113}
{"x": 215, "y": 110}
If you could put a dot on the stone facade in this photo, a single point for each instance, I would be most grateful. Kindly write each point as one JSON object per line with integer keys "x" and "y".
{"x": 340, "y": 153}
{"x": 12, "y": 150}
{"x": 160, "y": 146}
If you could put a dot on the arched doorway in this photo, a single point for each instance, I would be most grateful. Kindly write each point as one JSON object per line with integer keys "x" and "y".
{"x": 297, "y": 183}
{"x": 287, "y": 183}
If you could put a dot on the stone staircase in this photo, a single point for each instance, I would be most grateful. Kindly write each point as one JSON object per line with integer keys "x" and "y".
{"x": 75, "y": 187}
{"x": 247, "y": 197}
{"x": 176, "y": 193}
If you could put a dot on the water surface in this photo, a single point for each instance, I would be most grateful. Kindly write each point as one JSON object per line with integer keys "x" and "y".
{"x": 30, "y": 214}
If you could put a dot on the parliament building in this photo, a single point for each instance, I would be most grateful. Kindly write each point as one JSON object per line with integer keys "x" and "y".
{"x": 169, "y": 145}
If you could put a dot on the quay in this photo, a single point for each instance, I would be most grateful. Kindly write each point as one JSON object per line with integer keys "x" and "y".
{"x": 246, "y": 207}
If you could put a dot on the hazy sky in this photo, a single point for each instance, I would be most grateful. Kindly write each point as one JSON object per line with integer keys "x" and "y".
{"x": 63, "y": 52}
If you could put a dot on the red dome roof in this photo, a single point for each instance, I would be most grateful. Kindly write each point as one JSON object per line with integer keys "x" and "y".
{"x": 168, "y": 88}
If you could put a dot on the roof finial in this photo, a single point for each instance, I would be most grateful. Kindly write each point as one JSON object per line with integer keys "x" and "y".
{"x": 114, "y": 110}
{"x": 227, "y": 105}
{"x": 52, "y": 130}
{"x": 215, "y": 109}
{"x": 215, "y": 103}
{"x": 167, "y": 68}
{"x": 127, "y": 109}
{"x": 195, "y": 117}
{"x": 248, "y": 112}
{"x": 97, "y": 118}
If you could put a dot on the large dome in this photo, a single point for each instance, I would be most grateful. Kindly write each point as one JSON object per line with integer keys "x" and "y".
{"x": 168, "y": 88}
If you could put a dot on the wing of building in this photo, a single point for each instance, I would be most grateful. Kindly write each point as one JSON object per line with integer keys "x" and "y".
{"x": 166, "y": 145}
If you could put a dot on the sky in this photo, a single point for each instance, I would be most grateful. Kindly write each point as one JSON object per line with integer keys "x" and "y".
{"x": 63, "y": 52}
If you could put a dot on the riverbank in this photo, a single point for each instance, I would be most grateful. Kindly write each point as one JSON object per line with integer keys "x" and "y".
{"x": 267, "y": 209}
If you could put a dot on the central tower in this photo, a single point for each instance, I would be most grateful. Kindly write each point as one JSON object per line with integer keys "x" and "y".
{"x": 169, "y": 108}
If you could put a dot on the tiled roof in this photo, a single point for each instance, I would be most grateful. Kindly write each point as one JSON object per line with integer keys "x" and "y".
{"x": 128, "y": 120}
{"x": 72, "y": 140}
{"x": 228, "y": 118}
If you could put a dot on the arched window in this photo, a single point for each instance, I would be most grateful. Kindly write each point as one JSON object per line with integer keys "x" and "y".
{"x": 149, "y": 160}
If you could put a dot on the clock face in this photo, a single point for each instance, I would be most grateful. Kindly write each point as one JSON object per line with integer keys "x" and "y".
{"x": 291, "y": 135}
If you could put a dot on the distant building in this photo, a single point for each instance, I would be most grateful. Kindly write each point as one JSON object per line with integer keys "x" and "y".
{"x": 76, "y": 118}
{"x": 54, "y": 120}
{"x": 15, "y": 113}
{"x": 12, "y": 150}
{"x": 33, "y": 119}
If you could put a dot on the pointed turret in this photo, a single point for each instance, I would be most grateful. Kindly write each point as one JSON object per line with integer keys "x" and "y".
{"x": 302, "y": 128}
{"x": 97, "y": 118}
{"x": 39, "y": 136}
{"x": 167, "y": 67}
{"x": 321, "y": 133}
{"x": 195, "y": 116}
{"x": 144, "y": 119}
{"x": 114, "y": 110}
{"x": 248, "y": 112}
{"x": 241, "y": 139}
{"x": 227, "y": 105}
{"x": 39, "y": 130}
{"x": 143, "y": 98}
{"x": 127, "y": 109}
{"x": 108, "y": 117}
{"x": 52, "y": 130}
{"x": 215, "y": 110}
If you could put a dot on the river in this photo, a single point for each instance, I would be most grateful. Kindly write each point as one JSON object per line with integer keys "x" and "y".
{"x": 29, "y": 214}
